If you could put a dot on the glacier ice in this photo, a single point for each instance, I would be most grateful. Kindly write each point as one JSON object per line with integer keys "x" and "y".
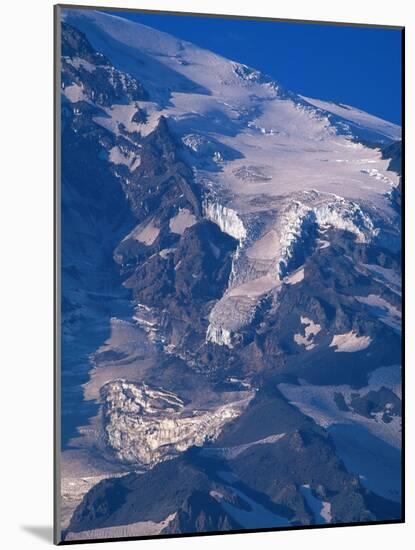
{"x": 227, "y": 219}
{"x": 269, "y": 253}
{"x": 146, "y": 425}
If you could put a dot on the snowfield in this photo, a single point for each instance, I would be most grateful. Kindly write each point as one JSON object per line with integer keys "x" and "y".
{"x": 357, "y": 438}
{"x": 350, "y": 342}
{"x": 310, "y": 331}
{"x": 182, "y": 221}
{"x": 277, "y": 161}
{"x": 360, "y": 118}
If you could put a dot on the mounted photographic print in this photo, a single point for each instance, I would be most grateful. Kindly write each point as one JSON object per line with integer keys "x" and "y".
{"x": 229, "y": 197}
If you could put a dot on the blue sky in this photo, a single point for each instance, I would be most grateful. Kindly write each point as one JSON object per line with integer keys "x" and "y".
{"x": 359, "y": 66}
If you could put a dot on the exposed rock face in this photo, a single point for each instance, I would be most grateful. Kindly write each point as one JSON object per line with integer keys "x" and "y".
{"x": 175, "y": 490}
{"x": 167, "y": 270}
{"x": 201, "y": 513}
{"x": 394, "y": 153}
{"x": 269, "y": 253}
{"x": 90, "y": 75}
{"x": 161, "y": 180}
{"x": 179, "y": 284}
{"x": 74, "y": 44}
{"x": 210, "y": 494}
{"x": 383, "y": 402}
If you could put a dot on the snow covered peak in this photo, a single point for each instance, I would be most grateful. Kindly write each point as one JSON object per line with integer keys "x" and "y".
{"x": 269, "y": 164}
{"x": 160, "y": 60}
{"x": 262, "y": 142}
{"x": 127, "y": 32}
{"x": 169, "y": 67}
{"x": 358, "y": 120}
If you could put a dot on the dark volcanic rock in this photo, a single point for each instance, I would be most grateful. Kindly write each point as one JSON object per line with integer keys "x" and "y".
{"x": 140, "y": 116}
{"x": 302, "y": 458}
{"x": 201, "y": 513}
{"x": 394, "y": 153}
{"x": 104, "y": 84}
{"x": 205, "y": 256}
{"x": 198, "y": 270}
{"x": 162, "y": 179}
{"x": 381, "y": 401}
{"x": 171, "y": 487}
{"x": 75, "y": 44}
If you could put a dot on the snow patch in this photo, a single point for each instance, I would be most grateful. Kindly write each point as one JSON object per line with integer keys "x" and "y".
{"x": 129, "y": 159}
{"x": 77, "y": 62}
{"x": 322, "y": 244}
{"x": 183, "y": 219}
{"x": 321, "y": 509}
{"x": 350, "y": 342}
{"x": 385, "y": 274}
{"x": 295, "y": 277}
{"x": 74, "y": 93}
{"x": 318, "y": 403}
{"x": 232, "y": 452}
{"x": 166, "y": 252}
{"x": 146, "y": 233}
{"x": 311, "y": 330}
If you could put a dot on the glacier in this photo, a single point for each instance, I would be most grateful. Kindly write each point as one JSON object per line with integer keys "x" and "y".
{"x": 145, "y": 425}
{"x": 300, "y": 157}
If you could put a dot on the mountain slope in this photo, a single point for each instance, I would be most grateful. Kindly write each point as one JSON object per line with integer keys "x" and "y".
{"x": 250, "y": 240}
